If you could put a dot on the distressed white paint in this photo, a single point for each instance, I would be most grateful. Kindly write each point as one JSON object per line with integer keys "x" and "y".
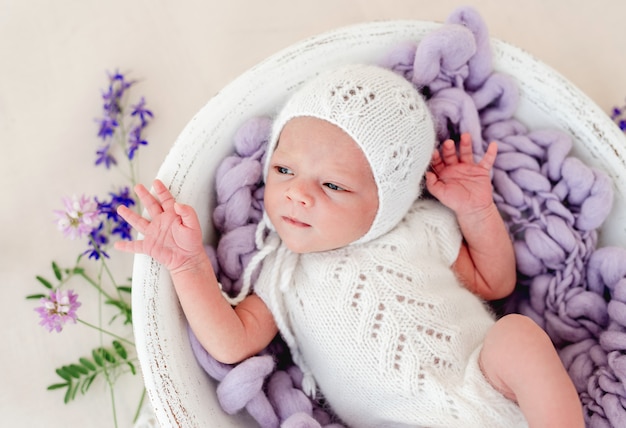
{"x": 180, "y": 392}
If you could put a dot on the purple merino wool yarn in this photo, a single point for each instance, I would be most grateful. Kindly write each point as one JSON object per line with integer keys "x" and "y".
{"x": 552, "y": 204}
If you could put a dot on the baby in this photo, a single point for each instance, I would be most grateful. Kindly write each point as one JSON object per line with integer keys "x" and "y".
{"x": 379, "y": 293}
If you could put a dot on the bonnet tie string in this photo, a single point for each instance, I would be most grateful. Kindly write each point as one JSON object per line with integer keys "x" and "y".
{"x": 281, "y": 275}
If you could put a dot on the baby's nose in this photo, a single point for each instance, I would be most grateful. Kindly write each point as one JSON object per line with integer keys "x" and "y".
{"x": 300, "y": 193}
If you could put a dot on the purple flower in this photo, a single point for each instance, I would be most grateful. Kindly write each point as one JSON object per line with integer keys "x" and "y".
{"x": 79, "y": 217}
{"x": 112, "y": 225}
{"x": 107, "y": 127}
{"x": 97, "y": 240}
{"x": 142, "y": 112}
{"x": 57, "y": 309}
{"x": 110, "y": 207}
{"x": 105, "y": 157}
{"x": 134, "y": 141}
{"x": 115, "y": 120}
{"x": 617, "y": 114}
{"x": 118, "y": 85}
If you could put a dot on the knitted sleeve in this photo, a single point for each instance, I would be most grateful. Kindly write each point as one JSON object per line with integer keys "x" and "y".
{"x": 439, "y": 223}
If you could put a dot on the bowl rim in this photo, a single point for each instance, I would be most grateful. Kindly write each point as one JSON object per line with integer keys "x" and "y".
{"x": 172, "y": 377}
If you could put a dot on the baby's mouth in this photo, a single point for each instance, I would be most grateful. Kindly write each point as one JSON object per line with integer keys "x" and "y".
{"x": 295, "y": 222}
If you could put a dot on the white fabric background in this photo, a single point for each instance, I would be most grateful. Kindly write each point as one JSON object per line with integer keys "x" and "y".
{"x": 53, "y": 59}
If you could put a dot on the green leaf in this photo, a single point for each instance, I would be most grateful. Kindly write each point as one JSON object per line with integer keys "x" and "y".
{"x": 97, "y": 357}
{"x": 103, "y": 356}
{"x": 68, "y": 394}
{"x": 72, "y": 370}
{"x": 57, "y": 271}
{"x": 81, "y": 375}
{"x": 124, "y": 309}
{"x": 87, "y": 383}
{"x": 115, "y": 303}
{"x": 78, "y": 270}
{"x": 79, "y": 369}
{"x": 108, "y": 355}
{"x": 125, "y": 289}
{"x": 74, "y": 388}
{"x": 44, "y": 281}
{"x": 64, "y": 374}
{"x": 57, "y": 386}
{"x": 87, "y": 364}
{"x": 119, "y": 348}
{"x": 36, "y": 296}
{"x": 118, "y": 304}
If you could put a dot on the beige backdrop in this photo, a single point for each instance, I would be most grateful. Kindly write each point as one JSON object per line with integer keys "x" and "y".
{"x": 53, "y": 58}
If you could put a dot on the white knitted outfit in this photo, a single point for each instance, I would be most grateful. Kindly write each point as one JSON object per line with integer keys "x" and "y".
{"x": 388, "y": 332}
{"x": 382, "y": 326}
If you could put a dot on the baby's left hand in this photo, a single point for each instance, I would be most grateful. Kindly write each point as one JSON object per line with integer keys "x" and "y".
{"x": 457, "y": 181}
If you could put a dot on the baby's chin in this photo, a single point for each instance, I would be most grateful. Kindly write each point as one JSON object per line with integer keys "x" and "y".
{"x": 299, "y": 247}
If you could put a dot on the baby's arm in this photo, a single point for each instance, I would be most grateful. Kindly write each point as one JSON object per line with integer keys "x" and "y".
{"x": 517, "y": 357}
{"x": 173, "y": 237}
{"x": 486, "y": 261}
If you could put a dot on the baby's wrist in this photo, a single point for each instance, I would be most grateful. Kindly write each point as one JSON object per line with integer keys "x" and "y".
{"x": 478, "y": 214}
{"x": 194, "y": 264}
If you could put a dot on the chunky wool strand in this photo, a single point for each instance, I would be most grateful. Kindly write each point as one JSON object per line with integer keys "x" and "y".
{"x": 552, "y": 204}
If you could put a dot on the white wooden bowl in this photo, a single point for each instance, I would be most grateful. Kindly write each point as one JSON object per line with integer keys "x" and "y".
{"x": 179, "y": 390}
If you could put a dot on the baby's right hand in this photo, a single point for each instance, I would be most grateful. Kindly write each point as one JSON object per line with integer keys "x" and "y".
{"x": 172, "y": 235}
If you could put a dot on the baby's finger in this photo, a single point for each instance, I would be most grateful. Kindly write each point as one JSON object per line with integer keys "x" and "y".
{"x": 129, "y": 246}
{"x": 466, "y": 153}
{"x": 153, "y": 206}
{"x": 436, "y": 163}
{"x": 187, "y": 215}
{"x": 490, "y": 156}
{"x": 164, "y": 195}
{"x": 134, "y": 219}
{"x": 449, "y": 153}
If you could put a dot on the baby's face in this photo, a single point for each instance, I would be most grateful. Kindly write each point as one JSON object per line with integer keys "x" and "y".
{"x": 320, "y": 193}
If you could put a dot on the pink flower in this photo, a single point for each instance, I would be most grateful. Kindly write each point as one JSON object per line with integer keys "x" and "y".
{"x": 79, "y": 217}
{"x": 58, "y": 309}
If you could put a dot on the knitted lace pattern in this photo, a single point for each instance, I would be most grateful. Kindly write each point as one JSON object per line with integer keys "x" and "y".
{"x": 389, "y": 334}
{"x": 552, "y": 204}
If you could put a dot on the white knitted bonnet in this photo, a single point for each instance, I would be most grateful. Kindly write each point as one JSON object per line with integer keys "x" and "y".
{"x": 388, "y": 119}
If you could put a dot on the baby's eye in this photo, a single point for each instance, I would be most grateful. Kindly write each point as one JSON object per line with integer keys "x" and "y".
{"x": 332, "y": 186}
{"x": 283, "y": 170}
